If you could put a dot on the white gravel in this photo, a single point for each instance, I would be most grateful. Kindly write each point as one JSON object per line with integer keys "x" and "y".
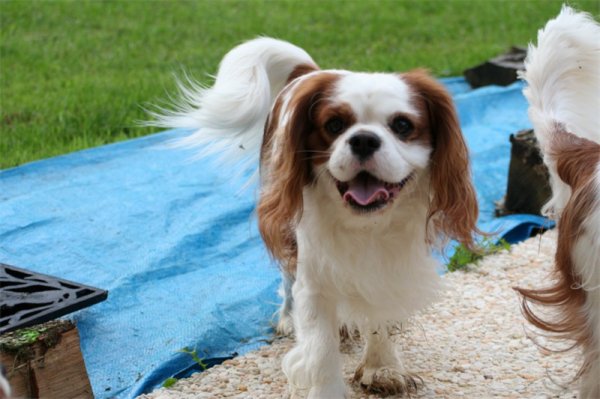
{"x": 473, "y": 344}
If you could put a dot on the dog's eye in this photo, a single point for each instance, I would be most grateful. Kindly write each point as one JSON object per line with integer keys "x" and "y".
{"x": 334, "y": 125}
{"x": 401, "y": 126}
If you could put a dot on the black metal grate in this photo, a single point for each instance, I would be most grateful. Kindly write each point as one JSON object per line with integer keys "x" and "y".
{"x": 28, "y": 298}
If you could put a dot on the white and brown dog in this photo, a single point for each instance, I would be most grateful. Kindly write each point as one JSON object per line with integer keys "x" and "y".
{"x": 563, "y": 76}
{"x": 361, "y": 174}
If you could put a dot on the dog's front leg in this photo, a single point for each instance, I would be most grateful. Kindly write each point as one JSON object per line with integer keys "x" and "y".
{"x": 315, "y": 362}
{"x": 285, "y": 325}
{"x": 381, "y": 370}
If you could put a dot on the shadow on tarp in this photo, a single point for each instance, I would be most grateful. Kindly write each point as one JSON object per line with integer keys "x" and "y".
{"x": 176, "y": 244}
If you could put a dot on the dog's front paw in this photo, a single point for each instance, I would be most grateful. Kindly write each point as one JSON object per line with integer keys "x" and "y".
{"x": 331, "y": 391}
{"x": 306, "y": 370}
{"x": 387, "y": 381}
{"x": 294, "y": 367}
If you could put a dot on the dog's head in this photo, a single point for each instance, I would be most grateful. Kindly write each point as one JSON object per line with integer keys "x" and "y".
{"x": 367, "y": 137}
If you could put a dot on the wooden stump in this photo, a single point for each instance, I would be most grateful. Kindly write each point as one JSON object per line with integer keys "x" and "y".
{"x": 45, "y": 362}
{"x": 528, "y": 187}
{"x": 500, "y": 70}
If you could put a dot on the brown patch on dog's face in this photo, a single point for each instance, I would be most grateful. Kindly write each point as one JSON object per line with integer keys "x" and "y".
{"x": 421, "y": 126}
{"x": 330, "y": 121}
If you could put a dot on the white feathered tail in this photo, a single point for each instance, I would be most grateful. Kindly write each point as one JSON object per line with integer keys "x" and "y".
{"x": 563, "y": 73}
{"x": 229, "y": 117}
{"x": 563, "y": 76}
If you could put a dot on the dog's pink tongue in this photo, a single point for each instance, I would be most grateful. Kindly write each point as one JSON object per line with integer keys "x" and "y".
{"x": 366, "y": 190}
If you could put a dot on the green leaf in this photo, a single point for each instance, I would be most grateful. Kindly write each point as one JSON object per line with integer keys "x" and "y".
{"x": 195, "y": 358}
{"x": 169, "y": 382}
{"x": 463, "y": 256}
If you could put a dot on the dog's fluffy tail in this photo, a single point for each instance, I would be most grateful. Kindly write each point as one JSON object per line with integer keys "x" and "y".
{"x": 563, "y": 73}
{"x": 563, "y": 76}
{"x": 229, "y": 117}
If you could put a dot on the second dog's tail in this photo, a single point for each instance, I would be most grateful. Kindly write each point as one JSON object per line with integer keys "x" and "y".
{"x": 563, "y": 76}
{"x": 228, "y": 118}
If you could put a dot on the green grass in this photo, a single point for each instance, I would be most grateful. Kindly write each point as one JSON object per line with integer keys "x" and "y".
{"x": 75, "y": 74}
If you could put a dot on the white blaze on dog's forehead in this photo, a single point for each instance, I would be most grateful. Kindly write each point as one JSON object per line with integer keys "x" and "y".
{"x": 375, "y": 96}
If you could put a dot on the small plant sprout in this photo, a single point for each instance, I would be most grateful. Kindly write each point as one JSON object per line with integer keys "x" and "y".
{"x": 195, "y": 358}
{"x": 169, "y": 382}
{"x": 463, "y": 256}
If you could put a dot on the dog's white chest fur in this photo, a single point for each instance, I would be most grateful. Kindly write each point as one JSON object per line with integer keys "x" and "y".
{"x": 381, "y": 268}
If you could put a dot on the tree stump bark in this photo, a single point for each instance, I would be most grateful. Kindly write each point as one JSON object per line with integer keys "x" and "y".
{"x": 528, "y": 187}
{"x": 500, "y": 70}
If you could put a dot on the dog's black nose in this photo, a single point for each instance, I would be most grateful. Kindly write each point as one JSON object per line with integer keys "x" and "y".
{"x": 364, "y": 144}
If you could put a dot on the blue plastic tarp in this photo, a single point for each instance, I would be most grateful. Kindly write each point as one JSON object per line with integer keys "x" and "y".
{"x": 176, "y": 244}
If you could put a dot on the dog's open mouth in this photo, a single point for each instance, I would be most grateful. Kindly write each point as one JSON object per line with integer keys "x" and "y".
{"x": 367, "y": 193}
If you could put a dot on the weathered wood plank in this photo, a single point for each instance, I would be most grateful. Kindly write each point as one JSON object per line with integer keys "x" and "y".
{"x": 49, "y": 365}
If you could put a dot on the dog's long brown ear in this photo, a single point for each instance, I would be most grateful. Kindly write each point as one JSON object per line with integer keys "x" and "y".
{"x": 285, "y": 166}
{"x": 453, "y": 208}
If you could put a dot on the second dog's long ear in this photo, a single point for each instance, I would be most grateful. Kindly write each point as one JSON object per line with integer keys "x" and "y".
{"x": 453, "y": 208}
{"x": 285, "y": 165}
